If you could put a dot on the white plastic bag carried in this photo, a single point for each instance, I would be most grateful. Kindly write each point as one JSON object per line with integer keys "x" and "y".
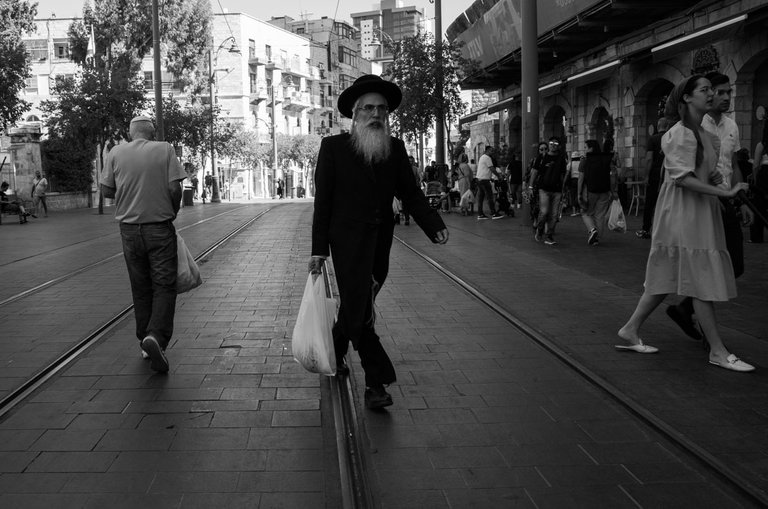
{"x": 312, "y": 342}
{"x": 187, "y": 272}
{"x": 616, "y": 220}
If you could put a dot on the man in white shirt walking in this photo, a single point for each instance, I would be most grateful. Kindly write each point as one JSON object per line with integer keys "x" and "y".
{"x": 486, "y": 168}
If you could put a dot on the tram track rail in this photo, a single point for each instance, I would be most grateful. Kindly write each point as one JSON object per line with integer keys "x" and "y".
{"x": 708, "y": 460}
{"x": 355, "y": 487}
{"x": 31, "y": 384}
{"x": 52, "y": 282}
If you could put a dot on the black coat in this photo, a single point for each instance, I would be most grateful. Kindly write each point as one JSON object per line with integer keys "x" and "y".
{"x": 353, "y": 220}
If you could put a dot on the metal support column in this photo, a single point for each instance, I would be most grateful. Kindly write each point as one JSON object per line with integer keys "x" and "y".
{"x": 159, "y": 124}
{"x": 440, "y": 114}
{"x": 215, "y": 198}
{"x": 530, "y": 79}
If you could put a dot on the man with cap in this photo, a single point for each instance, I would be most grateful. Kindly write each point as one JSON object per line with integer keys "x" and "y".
{"x": 357, "y": 176}
{"x": 144, "y": 177}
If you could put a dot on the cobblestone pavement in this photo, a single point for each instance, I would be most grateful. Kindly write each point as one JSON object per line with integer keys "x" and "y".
{"x": 578, "y": 296}
{"x": 483, "y": 417}
{"x": 236, "y": 423}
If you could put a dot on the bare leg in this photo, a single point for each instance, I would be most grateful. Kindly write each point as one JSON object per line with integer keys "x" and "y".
{"x": 646, "y": 305}
{"x": 705, "y": 312}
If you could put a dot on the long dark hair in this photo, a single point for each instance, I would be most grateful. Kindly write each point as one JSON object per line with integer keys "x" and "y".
{"x": 676, "y": 109}
{"x": 765, "y": 136}
{"x": 594, "y": 145}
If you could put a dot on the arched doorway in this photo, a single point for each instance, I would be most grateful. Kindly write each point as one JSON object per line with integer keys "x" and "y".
{"x": 759, "y": 109}
{"x": 601, "y": 125}
{"x": 554, "y": 124}
{"x": 655, "y": 103}
{"x": 516, "y": 134}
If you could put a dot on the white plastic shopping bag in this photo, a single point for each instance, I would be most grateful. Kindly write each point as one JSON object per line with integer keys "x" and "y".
{"x": 312, "y": 342}
{"x": 616, "y": 220}
{"x": 187, "y": 272}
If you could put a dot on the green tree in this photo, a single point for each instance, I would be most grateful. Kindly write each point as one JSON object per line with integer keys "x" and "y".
{"x": 415, "y": 69}
{"x": 123, "y": 29}
{"x": 16, "y": 18}
{"x": 189, "y": 126}
{"x": 93, "y": 109}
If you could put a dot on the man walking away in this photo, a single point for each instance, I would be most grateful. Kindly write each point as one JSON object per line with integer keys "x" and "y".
{"x": 357, "y": 176}
{"x": 144, "y": 177}
{"x": 486, "y": 168}
{"x": 654, "y": 158}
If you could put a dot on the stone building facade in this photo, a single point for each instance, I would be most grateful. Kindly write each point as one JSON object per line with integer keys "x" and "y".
{"x": 617, "y": 90}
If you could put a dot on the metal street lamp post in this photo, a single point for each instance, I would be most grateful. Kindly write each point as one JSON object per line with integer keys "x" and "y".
{"x": 215, "y": 195}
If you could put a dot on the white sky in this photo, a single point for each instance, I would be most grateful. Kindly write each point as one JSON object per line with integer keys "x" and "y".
{"x": 265, "y": 9}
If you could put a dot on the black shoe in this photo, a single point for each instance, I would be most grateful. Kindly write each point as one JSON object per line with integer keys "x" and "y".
{"x": 341, "y": 367}
{"x": 643, "y": 234}
{"x": 157, "y": 359}
{"x": 377, "y": 397}
{"x": 684, "y": 321}
{"x": 593, "y": 237}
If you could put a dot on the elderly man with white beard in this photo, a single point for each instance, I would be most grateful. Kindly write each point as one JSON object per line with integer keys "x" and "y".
{"x": 357, "y": 176}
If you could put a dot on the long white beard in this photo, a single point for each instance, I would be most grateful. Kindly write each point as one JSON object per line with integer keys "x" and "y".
{"x": 371, "y": 141}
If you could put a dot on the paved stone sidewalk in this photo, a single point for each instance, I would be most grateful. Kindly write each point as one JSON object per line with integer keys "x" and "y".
{"x": 485, "y": 418}
{"x": 236, "y": 423}
{"x": 579, "y": 296}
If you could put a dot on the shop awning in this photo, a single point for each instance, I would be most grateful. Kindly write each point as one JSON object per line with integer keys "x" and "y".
{"x": 697, "y": 39}
{"x": 503, "y": 104}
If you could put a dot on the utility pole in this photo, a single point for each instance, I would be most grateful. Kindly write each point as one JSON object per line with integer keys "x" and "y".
{"x": 530, "y": 79}
{"x": 159, "y": 124}
{"x": 439, "y": 120}
{"x": 215, "y": 198}
{"x": 274, "y": 139}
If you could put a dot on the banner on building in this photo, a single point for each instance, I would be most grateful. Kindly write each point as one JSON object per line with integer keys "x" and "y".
{"x": 498, "y": 32}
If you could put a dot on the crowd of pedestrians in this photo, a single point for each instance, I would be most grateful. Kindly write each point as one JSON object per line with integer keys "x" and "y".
{"x": 695, "y": 175}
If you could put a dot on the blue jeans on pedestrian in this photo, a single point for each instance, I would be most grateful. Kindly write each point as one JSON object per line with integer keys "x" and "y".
{"x": 548, "y": 203}
{"x": 150, "y": 256}
{"x": 485, "y": 192}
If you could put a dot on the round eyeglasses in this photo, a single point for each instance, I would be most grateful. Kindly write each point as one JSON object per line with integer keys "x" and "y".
{"x": 370, "y": 109}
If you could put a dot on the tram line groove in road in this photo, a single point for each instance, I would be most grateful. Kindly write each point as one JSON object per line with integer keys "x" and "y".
{"x": 354, "y": 483}
{"x": 696, "y": 451}
{"x": 19, "y": 394}
{"x": 54, "y": 281}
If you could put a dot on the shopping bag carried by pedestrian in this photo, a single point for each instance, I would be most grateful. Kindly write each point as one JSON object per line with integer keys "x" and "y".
{"x": 187, "y": 272}
{"x": 616, "y": 220}
{"x": 312, "y": 342}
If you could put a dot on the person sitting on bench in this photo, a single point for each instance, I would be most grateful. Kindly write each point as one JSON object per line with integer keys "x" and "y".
{"x": 11, "y": 207}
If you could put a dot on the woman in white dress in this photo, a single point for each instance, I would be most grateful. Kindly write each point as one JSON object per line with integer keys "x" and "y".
{"x": 688, "y": 256}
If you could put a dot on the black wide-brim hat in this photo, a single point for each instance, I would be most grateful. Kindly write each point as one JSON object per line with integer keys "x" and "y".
{"x": 364, "y": 85}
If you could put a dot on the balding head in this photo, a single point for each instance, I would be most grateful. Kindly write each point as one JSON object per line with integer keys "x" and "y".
{"x": 142, "y": 128}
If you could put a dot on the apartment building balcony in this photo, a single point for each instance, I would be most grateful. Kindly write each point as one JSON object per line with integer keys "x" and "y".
{"x": 296, "y": 68}
{"x": 316, "y": 104}
{"x": 258, "y": 95}
{"x": 297, "y": 101}
{"x": 327, "y": 105}
{"x": 325, "y": 77}
{"x": 257, "y": 60}
{"x": 276, "y": 62}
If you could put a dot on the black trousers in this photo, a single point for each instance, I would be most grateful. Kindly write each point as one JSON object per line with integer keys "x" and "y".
{"x": 649, "y": 208}
{"x": 757, "y": 228}
{"x": 361, "y": 257}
